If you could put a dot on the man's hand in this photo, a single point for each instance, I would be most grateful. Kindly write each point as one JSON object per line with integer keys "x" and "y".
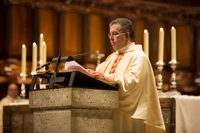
{"x": 96, "y": 74}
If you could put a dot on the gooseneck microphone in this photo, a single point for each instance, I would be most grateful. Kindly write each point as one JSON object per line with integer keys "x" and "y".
{"x": 57, "y": 59}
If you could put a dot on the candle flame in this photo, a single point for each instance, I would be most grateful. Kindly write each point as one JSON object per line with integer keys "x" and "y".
{"x": 145, "y": 31}
{"x": 173, "y": 28}
{"x": 43, "y": 43}
{"x": 41, "y": 35}
{"x": 34, "y": 44}
{"x": 23, "y": 46}
{"x": 161, "y": 29}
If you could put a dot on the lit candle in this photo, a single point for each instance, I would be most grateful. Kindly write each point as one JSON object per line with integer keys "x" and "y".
{"x": 173, "y": 44}
{"x": 146, "y": 42}
{"x": 41, "y": 48}
{"x": 23, "y": 60}
{"x": 161, "y": 45}
{"x": 34, "y": 57}
{"x": 44, "y": 52}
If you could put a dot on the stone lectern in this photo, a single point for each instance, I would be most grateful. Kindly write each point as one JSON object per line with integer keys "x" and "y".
{"x": 76, "y": 108}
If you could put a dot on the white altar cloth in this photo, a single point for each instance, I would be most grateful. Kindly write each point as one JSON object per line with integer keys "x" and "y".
{"x": 187, "y": 114}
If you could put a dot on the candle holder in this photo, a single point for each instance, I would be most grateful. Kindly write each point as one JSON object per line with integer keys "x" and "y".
{"x": 173, "y": 64}
{"x": 23, "y": 87}
{"x": 160, "y": 65}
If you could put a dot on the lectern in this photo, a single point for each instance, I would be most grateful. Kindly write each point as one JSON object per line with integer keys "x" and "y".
{"x": 76, "y": 103}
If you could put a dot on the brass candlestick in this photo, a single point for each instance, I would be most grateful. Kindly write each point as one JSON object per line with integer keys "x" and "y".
{"x": 173, "y": 64}
{"x": 23, "y": 87}
{"x": 160, "y": 65}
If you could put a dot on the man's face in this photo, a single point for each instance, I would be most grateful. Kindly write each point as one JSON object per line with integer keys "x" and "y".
{"x": 13, "y": 91}
{"x": 117, "y": 38}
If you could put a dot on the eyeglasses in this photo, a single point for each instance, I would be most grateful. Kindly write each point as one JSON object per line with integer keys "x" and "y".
{"x": 114, "y": 34}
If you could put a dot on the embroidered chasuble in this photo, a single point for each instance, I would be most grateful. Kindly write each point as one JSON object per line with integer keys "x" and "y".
{"x": 138, "y": 100}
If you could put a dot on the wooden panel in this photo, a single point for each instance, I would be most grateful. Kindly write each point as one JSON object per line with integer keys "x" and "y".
{"x": 2, "y": 31}
{"x": 85, "y": 37}
{"x": 197, "y": 48}
{"x": 70, "y": 34}
{"x": 139, "y": 26}
{"x": 96, "y": 33}
{"x": 184, "y": 46}
{"x": 18, "y": 30}
{"x": 47, "y": 25}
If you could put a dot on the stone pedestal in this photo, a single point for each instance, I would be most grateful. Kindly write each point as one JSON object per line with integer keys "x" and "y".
{"x": 73, "y": 110}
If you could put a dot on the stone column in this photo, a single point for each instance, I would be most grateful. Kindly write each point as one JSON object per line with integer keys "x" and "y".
{"x": 73, "y": 110}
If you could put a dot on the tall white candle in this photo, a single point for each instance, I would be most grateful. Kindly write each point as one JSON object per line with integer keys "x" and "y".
{"x": 34, "y": 57}
{"x": 23, "y": 60}
{"x": 161, "y": 45}
{"x": 41, "y": 48}
{"x": 44, "y": 52}
{"x": 173, "y": 44}
{"x": 146, "y": 42}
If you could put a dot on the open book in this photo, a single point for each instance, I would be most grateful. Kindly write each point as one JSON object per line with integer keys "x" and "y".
{"x": 73, "y": 65}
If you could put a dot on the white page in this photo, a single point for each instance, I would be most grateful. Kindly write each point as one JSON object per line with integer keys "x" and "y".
{"x": 73, "y": 65}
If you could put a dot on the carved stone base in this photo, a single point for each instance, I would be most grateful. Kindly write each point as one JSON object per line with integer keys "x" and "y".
{"x": 73, "y": 110}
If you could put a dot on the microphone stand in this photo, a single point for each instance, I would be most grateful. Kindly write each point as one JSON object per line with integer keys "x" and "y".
{"x": 48, "y": 78}
{"x": 46, "y": 65}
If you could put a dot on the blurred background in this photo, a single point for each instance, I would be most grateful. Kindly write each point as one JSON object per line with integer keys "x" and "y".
{"x": 72, "y": 27}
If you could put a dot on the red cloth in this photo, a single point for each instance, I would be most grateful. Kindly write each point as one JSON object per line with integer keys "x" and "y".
{"x": 117, "y": 60}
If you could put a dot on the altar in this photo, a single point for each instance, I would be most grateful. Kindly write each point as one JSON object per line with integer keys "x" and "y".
{"x": 181, "y": 113}
{"x": 19, "y": 118}
{"x": 73, "y": 109}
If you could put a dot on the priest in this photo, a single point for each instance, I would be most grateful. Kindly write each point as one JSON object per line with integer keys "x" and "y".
{"x": 139, "y": 109}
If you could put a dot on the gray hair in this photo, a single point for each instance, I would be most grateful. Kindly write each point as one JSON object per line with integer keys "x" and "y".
{"x": 125, "y": 26}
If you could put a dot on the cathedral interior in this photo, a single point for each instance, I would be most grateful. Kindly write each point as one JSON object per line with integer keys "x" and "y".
{"x": 72, "y": 27}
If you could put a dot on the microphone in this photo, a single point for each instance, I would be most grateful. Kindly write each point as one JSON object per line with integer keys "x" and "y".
{"x": 79, "y": 54}
{"x": 67, "y": 58}
{"x": 63, "y": 59}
